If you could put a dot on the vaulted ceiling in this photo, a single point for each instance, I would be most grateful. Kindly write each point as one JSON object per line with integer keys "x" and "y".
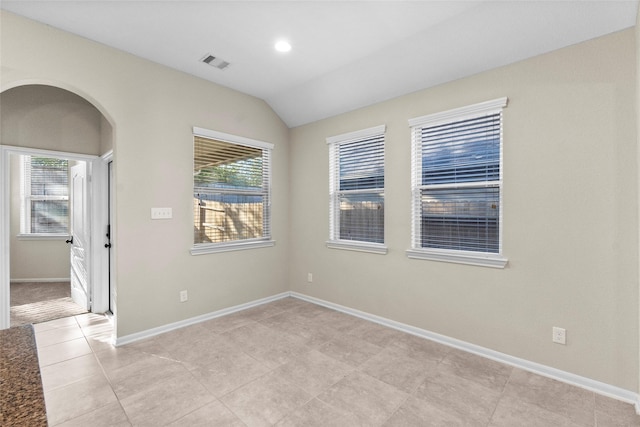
{"x": 345, "y": 54}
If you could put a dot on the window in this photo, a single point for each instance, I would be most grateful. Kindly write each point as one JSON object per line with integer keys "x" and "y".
{"x": 231, "y": 192}
{"x": 356, "y": 186}
{"x": 44, "y": 196}
{"x": 457, "y": 185}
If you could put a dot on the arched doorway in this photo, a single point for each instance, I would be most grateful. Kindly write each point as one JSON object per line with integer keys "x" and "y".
{"x": 54, "y": 123}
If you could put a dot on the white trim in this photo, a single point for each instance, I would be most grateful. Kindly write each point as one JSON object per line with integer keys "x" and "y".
{"x": 358, "y": 134}
{"x": 107, "y": 157}
{"x": 36, "y": 236}
{"x": 40, "y": 280}
{"x": 481, "y": 108}
{"x": 537, "y": 368}
{"x": 27, "y": 197}
{"x": 98, "y": 286}
{"x": 373, "y": 248}
{"x": 5, "y": 253}
{"x": 99, "y": 219}
{"x": 267, "y": 168}
{"x": 127, "y": 339}
{"x": 226, "y": 137}
{"x": 101, "y": 299}
{"x": 48, "y": 153}
{"x": 481, "y": 259}
{"x": 240, "y": 245}
{"x": 372, "y": 134}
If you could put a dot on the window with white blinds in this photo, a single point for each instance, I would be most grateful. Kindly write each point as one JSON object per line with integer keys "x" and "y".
{"x": 356, "y": 186}
{"x": 44, "y": 195}
{"x": 231, "y": 192}
{"x": 457, "y": 185}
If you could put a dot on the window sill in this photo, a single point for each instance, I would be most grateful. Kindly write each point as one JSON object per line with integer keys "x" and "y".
{"x": 374, "y": 248}
{"x": 212, "y": 248}
{"x": 35, "y": 236}
{"x": 459, "y": 257}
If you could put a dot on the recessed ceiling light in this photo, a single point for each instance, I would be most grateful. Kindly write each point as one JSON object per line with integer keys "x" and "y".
{"x": 283, "y": 46}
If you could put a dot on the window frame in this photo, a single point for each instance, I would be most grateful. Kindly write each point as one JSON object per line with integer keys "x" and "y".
{"x": 26, "y": 199}
{"x": 478, "y": 258}
{"x": 334, "y": 142}
{"x": 244, "y": 244}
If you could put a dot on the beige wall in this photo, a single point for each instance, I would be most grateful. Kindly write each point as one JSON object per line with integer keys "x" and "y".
{"x": 570, "y": 217}
{"x": 38, "y": 116}
{"x": 570, "y": 201}
{"x": 152, "y": 110}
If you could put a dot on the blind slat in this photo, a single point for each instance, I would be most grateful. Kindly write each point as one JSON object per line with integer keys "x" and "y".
{"x": 357, "y": 188}
{"x": 231, "y": 191}
{"x": 45, "y": 205}
{"x": 456, "y": 184}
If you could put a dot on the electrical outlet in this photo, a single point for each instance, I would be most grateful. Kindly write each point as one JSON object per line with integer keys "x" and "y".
{"x": 559, "y": 335}
{"x": 183, "y": 296}
{"x": 161, "y": 213}
{"x": 309, "y": 277}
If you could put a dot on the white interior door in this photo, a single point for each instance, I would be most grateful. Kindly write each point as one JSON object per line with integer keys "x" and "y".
{"x": 80, "y": 235}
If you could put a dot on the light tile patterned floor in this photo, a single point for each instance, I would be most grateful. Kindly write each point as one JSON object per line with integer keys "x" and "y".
{"x": 292, "y": 363}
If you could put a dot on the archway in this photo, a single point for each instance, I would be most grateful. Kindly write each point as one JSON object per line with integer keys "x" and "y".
{"x": 51, "y": 121}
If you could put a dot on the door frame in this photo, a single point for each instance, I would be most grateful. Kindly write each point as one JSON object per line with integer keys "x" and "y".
{"x": 107, "y": 207}
{"x": 98, "y": 202}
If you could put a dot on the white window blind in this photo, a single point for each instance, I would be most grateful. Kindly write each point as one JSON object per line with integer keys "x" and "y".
{"x": 356, "y": 185}
{"x": 457, "y": 179}
{"x": 45, "y": 196}
{"x": 231, "y": 191}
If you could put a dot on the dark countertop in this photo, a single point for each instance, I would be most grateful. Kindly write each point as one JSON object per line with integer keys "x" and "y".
{"x": 21, "y": 395}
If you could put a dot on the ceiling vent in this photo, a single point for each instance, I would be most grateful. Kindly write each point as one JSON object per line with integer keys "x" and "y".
{"x": 218, "y": 63}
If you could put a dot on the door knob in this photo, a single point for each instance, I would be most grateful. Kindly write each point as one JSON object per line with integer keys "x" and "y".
{"x": 70, "y": 240}
{"x": 107, "y": 245}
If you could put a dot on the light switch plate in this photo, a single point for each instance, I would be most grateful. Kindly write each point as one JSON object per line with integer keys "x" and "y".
{"x": 161, "y": 213}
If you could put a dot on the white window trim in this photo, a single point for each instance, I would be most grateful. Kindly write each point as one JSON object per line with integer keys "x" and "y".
{"x": 359, "y": 134}
{"x": 487, "y": 107}
{"x": 239, "y": 245}
{"x": 351, "y": 245}
{"x": 459, "y": 257}
{"x": 234, "y": 139}
{"x": 482, "y": 259}
{"x": 236, "y": 245}
{"x": 42, "y": 236}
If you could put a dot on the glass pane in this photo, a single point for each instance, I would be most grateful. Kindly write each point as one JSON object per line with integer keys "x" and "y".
{"x": 50, "y": 216}
{"x": 461, "y": 219}
{"x": 362, "y": 164}
{"x": 230, "y": 191}
{"x": 49, "y": 177}
{"x": 362, "y": 217}
{"x": 227, "y": 217}
{"x": 464, "y": 151}
{"x": 220, "y": 164}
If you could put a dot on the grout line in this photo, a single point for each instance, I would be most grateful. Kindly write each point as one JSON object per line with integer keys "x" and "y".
{"x": 270, "y": 370}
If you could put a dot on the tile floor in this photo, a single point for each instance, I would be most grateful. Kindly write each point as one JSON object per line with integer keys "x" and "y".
{"x": 292, "y": 363}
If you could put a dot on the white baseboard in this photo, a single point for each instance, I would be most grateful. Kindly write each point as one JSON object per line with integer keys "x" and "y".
{"x": 547, "y": 371}
{"x": 193, "y": 320}
{"x": 40, "y": 280}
